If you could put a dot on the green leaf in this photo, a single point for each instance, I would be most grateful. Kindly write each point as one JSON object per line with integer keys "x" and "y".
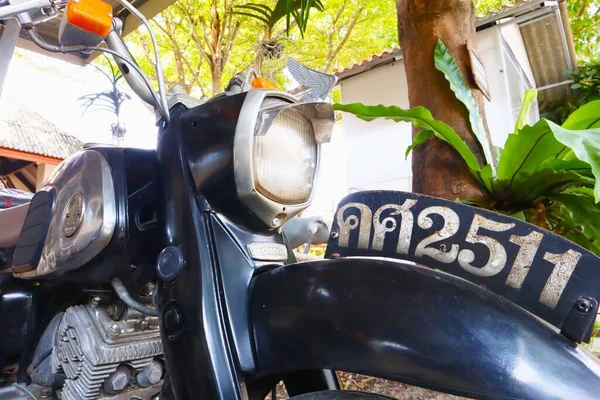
{"x": 545, "y": 183}
{"x": 266, "y": 13}
{"x": 580, "y": 190}
{"x": 298, "y": 9}
{"x": 520, "y": 215}
{"x": 586, "y": 146}
{"x": 419, "y": 117}
{"x": 524, "y": 153}
{"x": 446, "y": 64}
{"x": 419, "y": 140}
{"x": 523, "y": 119}
{"x": 585, "y": 117}
{"x": 580, "y": 214}
{"x": 567, "y": 165}
{"x": 245, "y": 14}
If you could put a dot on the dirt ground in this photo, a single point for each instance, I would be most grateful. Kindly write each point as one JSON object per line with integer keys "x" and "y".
{"x": 380, "y": 386}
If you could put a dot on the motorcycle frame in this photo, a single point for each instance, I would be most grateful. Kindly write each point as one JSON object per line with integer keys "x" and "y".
{"x": 232, "y": 328}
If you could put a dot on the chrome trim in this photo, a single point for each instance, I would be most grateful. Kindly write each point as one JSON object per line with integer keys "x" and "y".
{"x": 267, "y": 251}
{"x": 88, "y": 174}
{"x": 271, "y": 213}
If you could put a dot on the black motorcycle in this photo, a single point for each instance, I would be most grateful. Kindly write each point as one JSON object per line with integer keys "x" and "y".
{"x": 144, "y": 274}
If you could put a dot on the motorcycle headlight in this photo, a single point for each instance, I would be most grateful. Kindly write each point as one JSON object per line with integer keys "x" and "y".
{"x": 285, "y": 158}
{"x": 276, "y": 153}
{"x": 256, "y": 153}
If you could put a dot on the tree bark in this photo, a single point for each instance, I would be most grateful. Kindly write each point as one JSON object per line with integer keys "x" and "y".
{"x": 437, "y": 169}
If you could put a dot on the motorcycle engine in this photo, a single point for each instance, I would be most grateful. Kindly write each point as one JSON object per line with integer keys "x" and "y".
{"x": 108, "y": 352}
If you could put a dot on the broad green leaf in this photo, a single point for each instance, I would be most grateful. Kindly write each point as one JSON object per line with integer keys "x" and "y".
{"x": 580, "y": 190}
{"x": 523, "y": 119}
{"x": 519, "y": 215}
{"x": 486, "y": 178}
{"x": 585, "y": 117}
{"x": 419, "y": 117}
{"x": 419, "y": 140}
{"x": 586, "y": 146}
{"x": 580, "y": 214}
{"x": 579, "y": 166}
{"x": 524, "y": 153}
{"x": 545, "y": 183}
{"x": 445, "y": 63}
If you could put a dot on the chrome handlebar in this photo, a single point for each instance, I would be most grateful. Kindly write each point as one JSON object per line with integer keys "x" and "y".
{"x": 135, "y": 81}
{"x": 23, "y": 10}
{"x": 13, "y": 8}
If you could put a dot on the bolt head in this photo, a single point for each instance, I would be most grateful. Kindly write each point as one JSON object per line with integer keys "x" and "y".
{"x": 143, "y": 324}
{"x": 114, "y": 330}
{"x": 584, "y": 305}
{"x": 119, "y": 381}
{"x": 154, "y": 376}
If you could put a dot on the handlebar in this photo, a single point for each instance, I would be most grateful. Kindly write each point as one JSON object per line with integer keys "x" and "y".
{"x": 12, "y": 10}
{"x": 134, "y": 79}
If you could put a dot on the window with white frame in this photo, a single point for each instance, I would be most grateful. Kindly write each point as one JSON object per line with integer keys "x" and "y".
{"x": 518, "y": 83}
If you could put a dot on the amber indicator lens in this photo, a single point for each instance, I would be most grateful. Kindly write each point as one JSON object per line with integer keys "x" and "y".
{"x": 94, "y": 16}
{"x": 262, "y": 83}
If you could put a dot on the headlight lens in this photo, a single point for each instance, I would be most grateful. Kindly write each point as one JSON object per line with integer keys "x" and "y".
{"x": 285, "y": 158}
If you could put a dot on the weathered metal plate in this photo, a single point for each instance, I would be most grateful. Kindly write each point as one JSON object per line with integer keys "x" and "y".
{"x": 534, "y": 268}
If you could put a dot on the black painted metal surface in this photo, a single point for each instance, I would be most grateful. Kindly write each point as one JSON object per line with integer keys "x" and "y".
{"x": 197, "y": 347}
{"x": 16, "y": 303}
{"x": 534, "y": 268}
{"x": 408, "y": 323}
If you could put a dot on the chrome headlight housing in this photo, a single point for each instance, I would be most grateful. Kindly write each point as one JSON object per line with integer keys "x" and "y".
{"x": 276, "y": 153}
{"x": 256, "y": 154}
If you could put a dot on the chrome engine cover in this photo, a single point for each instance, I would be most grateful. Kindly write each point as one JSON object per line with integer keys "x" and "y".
{"x": 84, "y": 214}
{"x": 90, "y": 346}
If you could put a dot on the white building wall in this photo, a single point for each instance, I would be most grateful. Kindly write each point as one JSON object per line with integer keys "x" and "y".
{"x": 498, "y": 112}
{"x": 375, "y": 150}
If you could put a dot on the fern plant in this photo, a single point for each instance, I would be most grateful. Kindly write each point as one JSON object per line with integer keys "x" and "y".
{"x": 547, "y": 174}
{"x": 299, "y": 10}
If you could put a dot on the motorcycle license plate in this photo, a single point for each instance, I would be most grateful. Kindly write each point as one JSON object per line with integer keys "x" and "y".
{"x": 534, "y": 268}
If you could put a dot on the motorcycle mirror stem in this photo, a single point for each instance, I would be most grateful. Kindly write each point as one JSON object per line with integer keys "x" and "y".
{"x": 135, "y": 81}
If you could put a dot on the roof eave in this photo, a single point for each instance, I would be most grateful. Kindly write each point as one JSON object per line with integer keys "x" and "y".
{"x": 387, "y": 59}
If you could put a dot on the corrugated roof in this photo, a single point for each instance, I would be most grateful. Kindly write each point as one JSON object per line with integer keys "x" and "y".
{"x": 26, "y": 130}
{"x": 510, "y": 10}
{"x": 375, "y": 59}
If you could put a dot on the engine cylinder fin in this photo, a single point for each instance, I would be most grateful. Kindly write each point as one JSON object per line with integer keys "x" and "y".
{"x": 88, "y": 355}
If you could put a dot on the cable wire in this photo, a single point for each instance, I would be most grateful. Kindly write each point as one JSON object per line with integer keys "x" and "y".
{"x": 121, "y": 291}
{"x": 35, "y": 38}
{"x": 25, "y": 390}
{"x": 162, "y": 107}
{"x": 157, "y": 66}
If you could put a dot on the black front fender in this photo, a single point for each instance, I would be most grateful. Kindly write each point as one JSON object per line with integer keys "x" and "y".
{"x": 412, "y": 324}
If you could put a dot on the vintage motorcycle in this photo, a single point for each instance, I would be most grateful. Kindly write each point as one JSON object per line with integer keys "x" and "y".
{"x": 143, "y": 274}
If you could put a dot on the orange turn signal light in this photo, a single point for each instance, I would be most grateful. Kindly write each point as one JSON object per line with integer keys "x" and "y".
{"x": 94, "y": 16}
{"x": 262, "y": 83}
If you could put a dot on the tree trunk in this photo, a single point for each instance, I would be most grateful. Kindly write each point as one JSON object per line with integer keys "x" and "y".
{"x": 216, "y": 75}
{"x": 437, "y": 169}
